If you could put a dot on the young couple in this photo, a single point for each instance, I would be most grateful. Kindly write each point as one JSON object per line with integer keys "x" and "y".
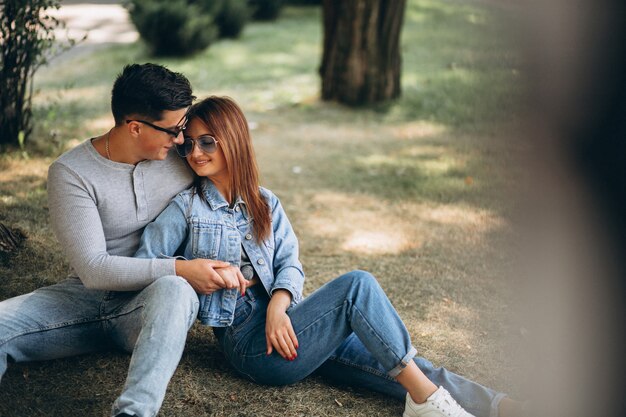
{"x": 123, "y": 204}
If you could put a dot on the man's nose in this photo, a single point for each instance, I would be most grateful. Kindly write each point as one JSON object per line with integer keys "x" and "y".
{"x": 179, "y": 138}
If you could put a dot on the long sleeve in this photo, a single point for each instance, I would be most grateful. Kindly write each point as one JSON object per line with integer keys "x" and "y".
{"x": 166, "y": 233}
{"x": 78, "y": 226}
{"x": 288, "y": 272}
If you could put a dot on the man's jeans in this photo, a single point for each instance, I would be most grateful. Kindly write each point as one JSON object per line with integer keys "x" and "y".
{"x": 67, "y": 319}
{"x": 348, "y": 331}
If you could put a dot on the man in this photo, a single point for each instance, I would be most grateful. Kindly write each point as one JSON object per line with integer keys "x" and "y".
{"x": 101, "y": 195}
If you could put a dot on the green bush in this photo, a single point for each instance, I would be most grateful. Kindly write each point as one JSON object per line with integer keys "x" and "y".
{"x": 232, "y": 17}
{"x": 26, "y": 37}
{"x": 265, "y": 9}
{"x": 304, "y": 2}
{"x": 175, "y": 27}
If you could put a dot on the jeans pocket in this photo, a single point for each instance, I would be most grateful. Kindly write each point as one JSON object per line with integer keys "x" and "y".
{"x": 244, "y": 310}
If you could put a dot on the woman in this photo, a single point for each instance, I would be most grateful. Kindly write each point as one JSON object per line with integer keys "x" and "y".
{"x": 347, "y": 329}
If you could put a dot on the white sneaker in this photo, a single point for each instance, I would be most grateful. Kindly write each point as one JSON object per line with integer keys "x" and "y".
{"x": 439, "y": 404}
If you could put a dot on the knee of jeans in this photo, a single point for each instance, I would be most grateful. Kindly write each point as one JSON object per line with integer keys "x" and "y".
{"x": 175, "y": 291}
{"x": 362, "y": 279}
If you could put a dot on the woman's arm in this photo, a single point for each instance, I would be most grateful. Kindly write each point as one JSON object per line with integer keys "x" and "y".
{"x": 279, "y": 333}
{"x": 287, "y": 285}
{"x": 288, "y": 274}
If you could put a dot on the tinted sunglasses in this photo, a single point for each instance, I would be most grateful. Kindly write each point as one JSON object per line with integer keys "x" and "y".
{"x": 172, "y": 132}
{"x": 206, "y": 143}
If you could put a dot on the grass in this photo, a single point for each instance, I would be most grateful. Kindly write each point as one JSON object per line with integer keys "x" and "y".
{"x": 414, "y": 191}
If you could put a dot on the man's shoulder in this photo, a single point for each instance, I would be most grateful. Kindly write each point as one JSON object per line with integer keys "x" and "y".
{"x": 78, "y": 154}
{"x": 73, "y": 159}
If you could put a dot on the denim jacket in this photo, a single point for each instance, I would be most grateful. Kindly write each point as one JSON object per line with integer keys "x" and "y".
{"x": 194, "y": 229}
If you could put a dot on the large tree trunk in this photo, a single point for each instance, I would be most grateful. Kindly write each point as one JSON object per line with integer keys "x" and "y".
{"x": 362, "y": 60}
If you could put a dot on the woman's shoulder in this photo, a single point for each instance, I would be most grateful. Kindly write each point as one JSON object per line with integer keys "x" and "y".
{"x": 268, "y": 195}
{"x": 184, "y": 198}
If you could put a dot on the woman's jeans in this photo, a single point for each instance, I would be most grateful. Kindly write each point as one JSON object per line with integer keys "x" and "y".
{"x": 348, "y": 331}
{"x": 68, "y": 319}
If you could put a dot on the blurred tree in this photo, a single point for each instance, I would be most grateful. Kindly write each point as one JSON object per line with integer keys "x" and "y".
{"x": 361, "y": 62}
{"x": 265, "y": 9}
{"x": 26, "y": 33}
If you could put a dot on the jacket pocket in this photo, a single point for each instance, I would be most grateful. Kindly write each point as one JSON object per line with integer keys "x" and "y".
{"x": 205, "y": 240}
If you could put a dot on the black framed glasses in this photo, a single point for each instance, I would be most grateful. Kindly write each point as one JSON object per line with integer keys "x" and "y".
{"x": 206, "y": 143}
{"x": 171, "y": 132}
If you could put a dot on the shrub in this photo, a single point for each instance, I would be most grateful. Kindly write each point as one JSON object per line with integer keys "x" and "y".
{"x": 304, "y": 2}
{"x": 26, "y": 34}
{"x": 265, "y": 9}
{"x": 232, "y": 17}
{"x": 175, "y": 27}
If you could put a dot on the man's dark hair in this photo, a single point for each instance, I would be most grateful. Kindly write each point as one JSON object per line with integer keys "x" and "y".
{"x": 147, "y": 90}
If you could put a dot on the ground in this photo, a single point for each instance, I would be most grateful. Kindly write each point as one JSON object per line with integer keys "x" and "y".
{"x": 419, "y": 191}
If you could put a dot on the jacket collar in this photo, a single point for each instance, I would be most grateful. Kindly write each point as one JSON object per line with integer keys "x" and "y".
{"x": 215, "y": 199}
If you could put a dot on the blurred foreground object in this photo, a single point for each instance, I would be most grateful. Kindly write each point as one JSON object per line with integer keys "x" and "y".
{"x": 574, "y": 268}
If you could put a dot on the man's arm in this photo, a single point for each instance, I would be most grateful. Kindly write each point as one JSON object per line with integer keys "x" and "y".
{"x": 167, "y": 233}
{"x": 77, "y": 225}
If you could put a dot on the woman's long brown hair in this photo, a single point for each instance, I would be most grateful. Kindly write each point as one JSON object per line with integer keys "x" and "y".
{"x": 227, "y": 123}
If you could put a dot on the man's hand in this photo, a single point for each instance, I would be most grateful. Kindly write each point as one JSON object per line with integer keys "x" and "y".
{"x": 233, "y": 278}
{"x": 279, "y": 333}
{"x": 202, "y": 274}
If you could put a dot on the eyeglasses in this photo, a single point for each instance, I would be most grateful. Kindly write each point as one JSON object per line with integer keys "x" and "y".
{"x": 173, "y": 133}
{"x": 207, "y": 143}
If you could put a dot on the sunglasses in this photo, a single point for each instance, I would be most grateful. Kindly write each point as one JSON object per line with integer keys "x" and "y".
{"x": 206, "y": 143}
{"x": 172, "y": 132}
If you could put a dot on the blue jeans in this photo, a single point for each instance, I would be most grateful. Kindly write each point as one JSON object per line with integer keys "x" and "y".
{"x": 67, "y": 319}
{"x": 348, "y": 331}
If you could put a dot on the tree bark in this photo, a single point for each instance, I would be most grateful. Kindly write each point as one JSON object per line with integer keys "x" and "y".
{"x": 362, "y": 61}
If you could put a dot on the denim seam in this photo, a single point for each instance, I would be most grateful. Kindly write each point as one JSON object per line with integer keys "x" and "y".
{"x": 368, "y": 369}
{"x": 495, "y": 403}
{"x": 52, "y": 327}
{"x": 384, "y": 343}
{"x": 403, "y": 363}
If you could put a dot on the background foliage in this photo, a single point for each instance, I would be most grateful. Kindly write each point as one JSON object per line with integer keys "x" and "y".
{"x": 26, "y": 34}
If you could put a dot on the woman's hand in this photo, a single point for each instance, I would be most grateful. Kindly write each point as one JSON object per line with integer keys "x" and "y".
{"x": 202, "y": 274}
{"x": 233, "y": 278}
{"x": 279, "y": 332}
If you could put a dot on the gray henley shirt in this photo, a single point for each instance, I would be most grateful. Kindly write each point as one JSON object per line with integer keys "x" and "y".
{"x": 99, "y": 208}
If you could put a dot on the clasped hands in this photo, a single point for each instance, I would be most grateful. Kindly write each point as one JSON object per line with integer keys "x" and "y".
{"x": 206, "y": 275}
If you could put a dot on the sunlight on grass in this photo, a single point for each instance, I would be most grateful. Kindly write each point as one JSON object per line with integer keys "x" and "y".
{"x": 478, "y": 220}
{"x": 358, "y": 226}
{"x": 418, "y": 129}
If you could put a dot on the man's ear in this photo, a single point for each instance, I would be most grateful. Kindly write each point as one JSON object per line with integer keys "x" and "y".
{"x": 134, "y": 129}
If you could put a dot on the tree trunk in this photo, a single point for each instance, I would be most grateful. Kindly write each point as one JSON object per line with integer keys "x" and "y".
{"x": 362, "y": 60}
